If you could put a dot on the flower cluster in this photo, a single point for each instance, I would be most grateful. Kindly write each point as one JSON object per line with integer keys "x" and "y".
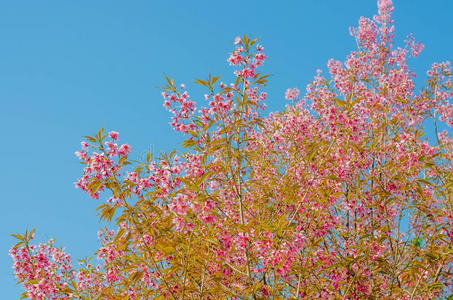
{"x": 44, "y": 269}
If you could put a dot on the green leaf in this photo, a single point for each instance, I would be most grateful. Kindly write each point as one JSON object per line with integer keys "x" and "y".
{"x": 417, "y": 242}
{"x": 17, "y": 236}
{"x": 201, "y": 82}
{"x": 193, "y": 133}
{"x": 214, "y": 80}
{"x": 30, "y": 235}
{"x": 170, "y": 82}
{"x": 189, "y": 143}
{"x": 436, "y": 286}
{"x": 340, "y": 102}
{"x": 18, "y": 244}
{"x": 205, "y": 176}
{"x": 89, "y": 138}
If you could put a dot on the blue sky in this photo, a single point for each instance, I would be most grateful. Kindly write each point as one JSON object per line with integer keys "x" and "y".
{"x": 68, "y": 68}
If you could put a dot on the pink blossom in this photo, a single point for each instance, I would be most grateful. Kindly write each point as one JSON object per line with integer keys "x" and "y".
{"x": 235, "y": 59}
{"x": 415, "y": 47}
{"x": 113, "y": 135}
{"x": 124, "y": 150}
{"x": 292, "y": 94}
{"x": 245, "y": 73}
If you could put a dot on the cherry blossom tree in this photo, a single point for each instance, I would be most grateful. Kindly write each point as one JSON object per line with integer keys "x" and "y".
{"x": 340, "y": 195}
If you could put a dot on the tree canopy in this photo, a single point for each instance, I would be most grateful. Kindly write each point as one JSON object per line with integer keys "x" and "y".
{"x": 340, "y": 195}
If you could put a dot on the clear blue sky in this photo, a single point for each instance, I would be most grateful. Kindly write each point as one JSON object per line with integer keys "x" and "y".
{"x": 68, "y": 68}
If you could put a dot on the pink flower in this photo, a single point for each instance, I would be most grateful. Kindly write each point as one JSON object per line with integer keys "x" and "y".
{"x": 235, "y": 59}
{"x": 113, "y": 135}
{"x": 245, "y": 73}
{"x": 415, "y": 47}
{"x": 237, "y": 40}
{"x": 385, "y": 8}
{"x": 124, "y": 150}
{"x": 292, "y": 94}
{"x": 81, "y": 155}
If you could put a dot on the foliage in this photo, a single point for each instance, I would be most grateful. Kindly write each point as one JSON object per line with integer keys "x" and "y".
{"x": 338, "y": 196}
